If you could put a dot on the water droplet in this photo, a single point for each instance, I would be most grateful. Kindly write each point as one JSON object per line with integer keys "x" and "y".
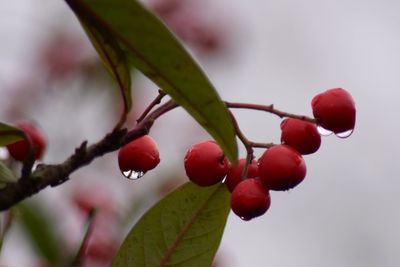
{"x": 3, "y": 153}
{"x": 133, "y": 175}
{"x": 345, "y": 134}
{"x": 35, "y": 165}
{"x": 322, "y": 131}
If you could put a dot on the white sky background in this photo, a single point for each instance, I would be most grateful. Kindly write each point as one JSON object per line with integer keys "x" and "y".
{"x": 346, "y": 211}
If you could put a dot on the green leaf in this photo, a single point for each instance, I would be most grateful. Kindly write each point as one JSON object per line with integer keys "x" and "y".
{"x": 9, "y": 134}
{"x": 39, "y": 228}
{"x": 183, "y": 229}
{"x": 6, "y": 175}
{"x": 154, "y": 50}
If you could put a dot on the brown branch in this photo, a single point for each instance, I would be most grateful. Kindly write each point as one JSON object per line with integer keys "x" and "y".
{"x": 53, "y": 175}
{"x": 270, "y": 109}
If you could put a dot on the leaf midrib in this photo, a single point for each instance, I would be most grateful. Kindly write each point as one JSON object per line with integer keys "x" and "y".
{"x": 184, "y": 231}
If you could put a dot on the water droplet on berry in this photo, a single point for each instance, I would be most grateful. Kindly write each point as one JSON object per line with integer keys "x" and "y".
{"x": 322, "y": 131}
{"x": 345, "y": 134}
{"x": 133, "y": 175}
{"x": 3, "y": 153}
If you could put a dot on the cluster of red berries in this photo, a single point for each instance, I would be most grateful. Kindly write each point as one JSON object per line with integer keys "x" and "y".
{"x": 280, "y": 168}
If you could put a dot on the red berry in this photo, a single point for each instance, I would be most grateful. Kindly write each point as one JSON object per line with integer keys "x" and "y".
{"x": 140, "y": 155}
{"x": 205, "y": 163}
{"x": 335, "y": 110}
{"x": 20, "y": 149}
{"x": 234, "y": 176}
{"x": 301, "y": 135}
{"x": 249, "y": 199}
{"x": 281, "y": 168}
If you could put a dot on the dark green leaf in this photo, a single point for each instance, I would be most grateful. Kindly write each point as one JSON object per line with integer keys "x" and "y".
{"x": 160, "y": 56}
{"x": 38, "y": 226}
{"x": 183, "y": 229}
{"x": 6, "y": 175}
{"x": 9, "y": 134}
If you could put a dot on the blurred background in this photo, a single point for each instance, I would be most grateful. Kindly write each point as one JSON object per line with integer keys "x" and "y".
{"x": 345, "y": 213}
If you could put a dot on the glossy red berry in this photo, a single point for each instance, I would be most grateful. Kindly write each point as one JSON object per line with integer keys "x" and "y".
{"x": 20, "y": 149}
{"x": 281, "y": 168}
{"x": 205, "y": 163}
{"x": 234, "y": 175}
{"x": 301, "y": 135}
{"x": 250, "y": 199}
{"x": 140, "y": 155}
{"x": 335, "y": 110}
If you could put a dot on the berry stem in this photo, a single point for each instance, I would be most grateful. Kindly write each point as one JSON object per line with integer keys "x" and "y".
{"x": 147, "y": 122}
{"x": 262, "y": 145}
{"x": 247, "y": 144}
{"x": 155, "y": 102}
{"x": 269, "y": 109}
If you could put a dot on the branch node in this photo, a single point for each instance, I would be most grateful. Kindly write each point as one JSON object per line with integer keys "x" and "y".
{"x": 82, "y": 148}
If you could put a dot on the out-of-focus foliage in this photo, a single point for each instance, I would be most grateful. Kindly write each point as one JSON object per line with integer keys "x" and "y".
{"x": 40, "y": 231}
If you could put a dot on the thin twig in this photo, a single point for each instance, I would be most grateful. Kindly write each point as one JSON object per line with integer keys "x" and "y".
{"x": 270, "y": 109}
{"x": 246, "y": 143}
{"x": 262, "y": 145}
{"x": 155, "y": 102}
